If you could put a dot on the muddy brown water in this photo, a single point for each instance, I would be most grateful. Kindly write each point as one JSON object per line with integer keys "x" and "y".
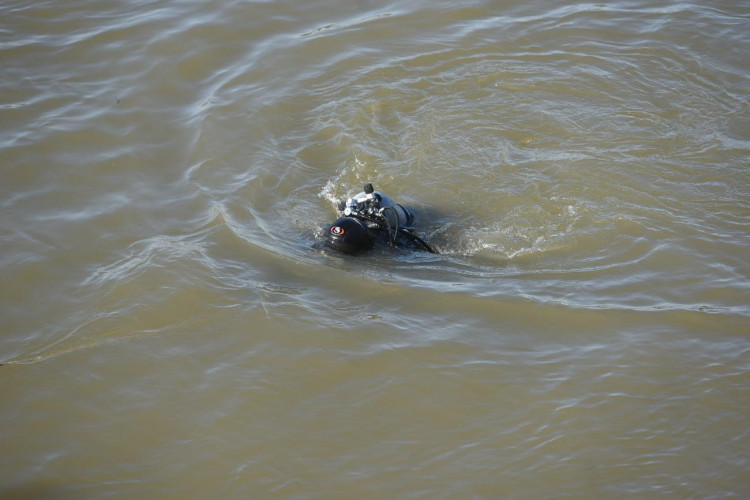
{"x": 172, "y": 327}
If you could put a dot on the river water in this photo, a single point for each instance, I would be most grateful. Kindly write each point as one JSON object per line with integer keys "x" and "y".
{"x": 172, "y": 326}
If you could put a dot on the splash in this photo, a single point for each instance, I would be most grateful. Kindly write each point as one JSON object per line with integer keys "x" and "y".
{"x": 523, "y": 232}
{"x": 349, "y": 180}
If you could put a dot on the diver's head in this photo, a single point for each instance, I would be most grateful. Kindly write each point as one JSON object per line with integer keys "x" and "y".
{"x": 349, "y": 235}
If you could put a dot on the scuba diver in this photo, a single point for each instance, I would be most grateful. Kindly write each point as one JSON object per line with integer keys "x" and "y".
{"x": 369, "y": 216}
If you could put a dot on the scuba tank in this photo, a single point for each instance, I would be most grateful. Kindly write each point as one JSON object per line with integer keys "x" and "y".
{"x": 366, "y": 217}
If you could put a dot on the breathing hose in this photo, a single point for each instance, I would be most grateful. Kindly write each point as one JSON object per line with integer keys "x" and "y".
{"x": 383, "y": 221}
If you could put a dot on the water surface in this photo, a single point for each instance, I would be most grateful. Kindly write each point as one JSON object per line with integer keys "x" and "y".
{"x": 172, "y": 327}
